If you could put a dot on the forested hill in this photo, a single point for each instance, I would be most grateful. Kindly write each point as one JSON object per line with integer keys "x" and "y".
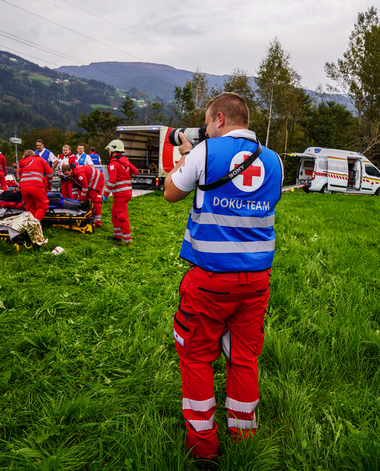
{"x": 34, "y": 96}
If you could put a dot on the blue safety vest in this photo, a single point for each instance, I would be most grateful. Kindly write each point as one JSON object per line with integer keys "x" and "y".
{"x": 95, "y": 159}
{"x": 45, "y": 155}
{"x": 233, "y": 231}
{"x": 82, "y": 158}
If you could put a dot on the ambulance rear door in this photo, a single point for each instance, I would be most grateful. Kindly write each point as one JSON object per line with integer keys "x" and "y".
{"x": 337, "y": 176}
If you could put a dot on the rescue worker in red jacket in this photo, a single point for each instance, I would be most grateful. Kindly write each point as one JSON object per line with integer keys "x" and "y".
{"x": 3, "y": 172}
{"x": 87, "y": 183}
{"x": 119, "y": 183}
{"x": 33, "y": 171}
{"x": 66, "y": 158}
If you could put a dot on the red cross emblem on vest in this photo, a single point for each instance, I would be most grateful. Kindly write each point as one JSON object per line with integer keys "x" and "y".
{"x": 249, "y": 173}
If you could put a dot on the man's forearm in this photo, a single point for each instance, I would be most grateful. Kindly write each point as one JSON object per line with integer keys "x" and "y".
{"x": 176, "y": 167}
{"x": 172, "y": 193}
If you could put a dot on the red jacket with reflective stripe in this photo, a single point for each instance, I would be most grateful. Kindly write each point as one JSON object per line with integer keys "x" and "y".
{"x": 32, "y": 170}
{"x": 3, "y": 166}
{"x": 119, "y": 182}
{"x": 86, "y": 178}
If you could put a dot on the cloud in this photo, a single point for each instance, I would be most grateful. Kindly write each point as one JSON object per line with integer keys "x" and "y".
{"x": 216, "y": 36}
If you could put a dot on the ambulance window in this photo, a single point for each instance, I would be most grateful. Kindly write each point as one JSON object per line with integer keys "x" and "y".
{"x": 323, "y": 164}
{"x": 369, "y": 170}
{"x": 308, "y": 163}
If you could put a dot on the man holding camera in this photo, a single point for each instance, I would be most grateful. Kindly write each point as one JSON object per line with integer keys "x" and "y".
{"x": 229, "y": 242}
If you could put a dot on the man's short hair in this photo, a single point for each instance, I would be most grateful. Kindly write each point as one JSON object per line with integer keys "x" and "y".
{"x": 40, "y": 140}
{"x": 65, "y": 168}
{"x": 233, "y": 108}
{"x": 67, "y": 147}
{"x": 92, "y": 149}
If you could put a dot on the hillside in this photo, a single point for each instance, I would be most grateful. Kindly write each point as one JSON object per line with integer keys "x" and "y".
{"x": 34, "y": 96}
{"x": 156, "y": 80}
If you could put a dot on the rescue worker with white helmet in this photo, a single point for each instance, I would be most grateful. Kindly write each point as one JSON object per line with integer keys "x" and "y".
{"x": 119, "y": 184}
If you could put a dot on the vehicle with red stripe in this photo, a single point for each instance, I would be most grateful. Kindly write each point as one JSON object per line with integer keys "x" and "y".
{"x": 149, "y": 150}
{"x": 334, "y": 170}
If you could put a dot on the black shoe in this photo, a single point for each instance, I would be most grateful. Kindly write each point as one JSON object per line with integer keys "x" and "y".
{"x": 86, "y": 205}
{"x": 113, "y": 238}
{"x": 205, "y": 464}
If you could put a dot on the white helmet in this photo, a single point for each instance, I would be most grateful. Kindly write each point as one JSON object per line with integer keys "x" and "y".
{"x": 115, "y": 146}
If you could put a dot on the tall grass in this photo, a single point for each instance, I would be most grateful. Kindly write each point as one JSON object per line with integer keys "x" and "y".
{"x": 89, "y": 375}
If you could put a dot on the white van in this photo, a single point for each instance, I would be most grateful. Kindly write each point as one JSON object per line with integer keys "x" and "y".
{"x": 333, "y": 170}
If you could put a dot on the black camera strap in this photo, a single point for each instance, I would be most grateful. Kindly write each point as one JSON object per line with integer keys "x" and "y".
{"x": 233, "y": 173}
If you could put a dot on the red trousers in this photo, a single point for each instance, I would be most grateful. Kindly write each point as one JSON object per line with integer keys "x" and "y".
{"x": 120, "y": 219}
{"x": 35, "y": 200}
{"x": 96, "y": 200}
{"x": 66, "y": 189}
{"x": 220, "y": 309}
{"x": 3, "y": 183}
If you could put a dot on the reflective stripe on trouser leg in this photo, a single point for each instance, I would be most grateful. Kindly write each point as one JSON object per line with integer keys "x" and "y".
{"x": 127, "y": 237}
{"x": 96, "y": 200}
{"x": 247, "y": 336}
{"x": 197, "y": 382}
{"x": 117, "y": 234}
{"x": 120, "y": 216}
{"x": 241, "y": 418}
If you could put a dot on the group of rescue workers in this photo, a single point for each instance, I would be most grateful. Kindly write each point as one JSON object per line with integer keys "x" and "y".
{"x": 229, "y": 242}
{"x": 80, "y": 180}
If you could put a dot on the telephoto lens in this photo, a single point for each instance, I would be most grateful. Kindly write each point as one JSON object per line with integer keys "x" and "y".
{"x": 193, "y": 135}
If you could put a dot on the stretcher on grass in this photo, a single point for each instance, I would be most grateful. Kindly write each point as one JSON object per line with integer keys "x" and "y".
{"x": 75, "y": 216}
{"x": 18, "y": 239}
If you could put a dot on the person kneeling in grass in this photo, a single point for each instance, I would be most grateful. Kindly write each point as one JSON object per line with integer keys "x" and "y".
{"x": 87, "y": 183}
{"x": 119, "y": 183}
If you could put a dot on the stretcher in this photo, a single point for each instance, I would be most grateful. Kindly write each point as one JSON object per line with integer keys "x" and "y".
{"x": 79, "y": 219}
{"x": 7, "y": 234}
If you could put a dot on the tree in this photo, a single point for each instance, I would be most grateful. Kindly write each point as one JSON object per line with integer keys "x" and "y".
{"x": 239, "y": 82}
{"x": 295, "y": 105}
{"x": 157, "y": 116}
{"x": 98, "y": 125}
{"x": 329, "y": 125}
{"x": 199, "y": 90}
{"x": 190, "y": 101}
{"x": 53, "y": 138}
{"x": 274, "y": 79}
{"x": 129, "y": 112}
{"x": 357, "y": 75}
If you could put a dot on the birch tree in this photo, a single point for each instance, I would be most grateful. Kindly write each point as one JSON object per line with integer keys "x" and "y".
{"x": 275, "y": 78}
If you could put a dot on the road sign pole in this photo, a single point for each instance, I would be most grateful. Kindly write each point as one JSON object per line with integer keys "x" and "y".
{"x": 16, "y": 140}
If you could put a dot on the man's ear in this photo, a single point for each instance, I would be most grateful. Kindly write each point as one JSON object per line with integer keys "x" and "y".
{"x": 221, "y": 118}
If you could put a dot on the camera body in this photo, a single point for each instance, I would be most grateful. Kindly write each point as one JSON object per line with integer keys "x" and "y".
{"x": 193, "y": 135}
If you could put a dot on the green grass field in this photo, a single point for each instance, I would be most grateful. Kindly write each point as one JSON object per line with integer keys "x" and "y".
{"x": 40, "y": 78}
{"x": 101, "y": 107}
{"x": 89, "y": 375}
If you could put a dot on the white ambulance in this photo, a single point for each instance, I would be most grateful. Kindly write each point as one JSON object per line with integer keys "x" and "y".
{"x": 149, "y": 150}
{"x": 333, "y": 170}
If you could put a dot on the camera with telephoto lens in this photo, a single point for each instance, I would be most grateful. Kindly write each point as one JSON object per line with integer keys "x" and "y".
{"x": 193, "y": 135}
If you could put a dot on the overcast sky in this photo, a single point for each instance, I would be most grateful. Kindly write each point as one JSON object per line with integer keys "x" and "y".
{"x": 215, "y": 36}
